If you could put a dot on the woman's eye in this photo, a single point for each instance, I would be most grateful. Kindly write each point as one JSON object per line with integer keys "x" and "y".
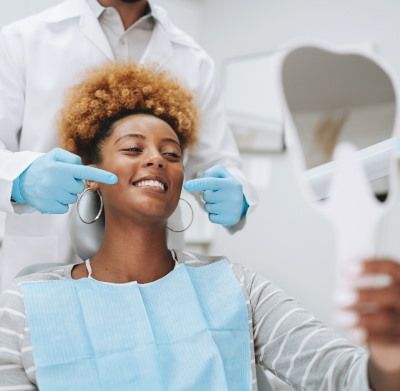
{"x": 132, "y": 149}
{"x": 173, "y": 155}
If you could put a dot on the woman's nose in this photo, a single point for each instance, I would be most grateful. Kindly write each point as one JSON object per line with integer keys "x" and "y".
{"x": 159, "y": 165}
{"x": 155, "y": 160}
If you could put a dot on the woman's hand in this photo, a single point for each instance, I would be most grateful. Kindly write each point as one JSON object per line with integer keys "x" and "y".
{"x": 378, "y": 306}
{"x": 378, "y": 310}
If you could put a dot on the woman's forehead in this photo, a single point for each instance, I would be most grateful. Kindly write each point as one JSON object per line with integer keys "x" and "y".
{"x": 142, "y": 126}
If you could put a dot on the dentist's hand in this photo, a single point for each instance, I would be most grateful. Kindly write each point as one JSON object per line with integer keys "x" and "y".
{"x": 53, "y": 181}
{"x": 225, "y": 202}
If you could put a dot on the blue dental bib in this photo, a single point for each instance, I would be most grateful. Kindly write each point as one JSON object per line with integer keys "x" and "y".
{"x": 186, "y": 331}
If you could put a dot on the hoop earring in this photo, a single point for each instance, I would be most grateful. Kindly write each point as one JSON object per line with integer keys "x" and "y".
{"x": 191, "y": 220}
{"x": 98, "y": 214}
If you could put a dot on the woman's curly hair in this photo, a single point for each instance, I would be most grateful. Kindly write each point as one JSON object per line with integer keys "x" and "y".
{"x": 114, "y": 91}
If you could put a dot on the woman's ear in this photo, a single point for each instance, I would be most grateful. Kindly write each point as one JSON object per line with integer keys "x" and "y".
{"x": 92, "y": 184}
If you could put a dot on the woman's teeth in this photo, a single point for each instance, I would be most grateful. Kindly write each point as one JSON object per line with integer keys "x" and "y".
{"x": 156, "y": 184}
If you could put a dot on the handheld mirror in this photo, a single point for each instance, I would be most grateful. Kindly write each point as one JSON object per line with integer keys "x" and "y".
{"x": 340, "y": 119}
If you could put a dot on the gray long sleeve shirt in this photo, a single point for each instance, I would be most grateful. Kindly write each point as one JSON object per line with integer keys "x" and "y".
{"x": 286, "y": 339}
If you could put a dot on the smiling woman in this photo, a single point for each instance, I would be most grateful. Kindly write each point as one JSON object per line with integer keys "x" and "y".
{"x": 145, "y": 153}
{"x": 139, "y": 316}
{"x": 131, "y": 121}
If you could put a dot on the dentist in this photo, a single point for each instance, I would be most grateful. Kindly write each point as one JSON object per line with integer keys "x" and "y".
{"x": 44, "y": 54}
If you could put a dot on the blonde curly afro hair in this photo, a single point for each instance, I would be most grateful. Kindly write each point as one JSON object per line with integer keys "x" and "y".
{"x": 114, "y": 91}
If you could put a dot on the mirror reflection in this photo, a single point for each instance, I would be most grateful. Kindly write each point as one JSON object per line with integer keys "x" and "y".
{"x": 334, "y": 98}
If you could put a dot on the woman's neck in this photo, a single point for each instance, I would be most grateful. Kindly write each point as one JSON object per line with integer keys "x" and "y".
{"x": 129, "y": 12}
{"x": 132, "y": 253}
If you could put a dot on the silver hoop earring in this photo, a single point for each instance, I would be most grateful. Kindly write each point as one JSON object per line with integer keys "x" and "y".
{"x": 191, "y": 219}
{"x": 100, "y": 210}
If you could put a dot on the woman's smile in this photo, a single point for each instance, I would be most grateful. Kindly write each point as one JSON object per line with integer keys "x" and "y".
{"x": 152, "y": 183}
{"x": 145, "y": 153}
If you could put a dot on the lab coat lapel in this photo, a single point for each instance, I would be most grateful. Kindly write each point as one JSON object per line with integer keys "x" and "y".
{"x": 159, "y": 50}
{"x": 91, "y": 28}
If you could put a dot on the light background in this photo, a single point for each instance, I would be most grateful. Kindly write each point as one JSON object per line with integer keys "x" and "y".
{"x": 285, "y": 239}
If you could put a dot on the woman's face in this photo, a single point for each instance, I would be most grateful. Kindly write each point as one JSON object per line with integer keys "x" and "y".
{"x": 144, "y": 152}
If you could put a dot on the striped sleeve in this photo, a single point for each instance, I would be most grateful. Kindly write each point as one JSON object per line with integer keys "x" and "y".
{"x": 12, "y": 341}
{"x": 300, "y": 350}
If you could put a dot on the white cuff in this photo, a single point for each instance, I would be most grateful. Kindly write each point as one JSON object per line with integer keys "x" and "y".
{"x": 12, "y": 164}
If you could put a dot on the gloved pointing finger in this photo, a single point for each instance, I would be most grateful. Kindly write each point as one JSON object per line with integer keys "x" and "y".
{"x": 88, "y": 173}
{"x": 61, "y": 155}
{"x": 53, "y": 180}
{"x": 205, "y": 184}
{"x": 78, "y": 171}
{"x": 223, "y": 195}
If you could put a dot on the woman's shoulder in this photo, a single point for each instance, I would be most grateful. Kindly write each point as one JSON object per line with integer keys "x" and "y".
{"x": 196, "y": 260}
{"x": 59, "y": 272}
{"x": 249, "y": 279}
{"x": 193, "y": 259}
{"x": 13, "y": 295}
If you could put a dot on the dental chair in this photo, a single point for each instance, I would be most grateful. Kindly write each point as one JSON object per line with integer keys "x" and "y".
{"x": 37, "y": 268}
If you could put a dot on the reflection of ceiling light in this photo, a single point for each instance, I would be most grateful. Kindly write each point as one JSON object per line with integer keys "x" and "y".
{"x": 375, "y": 160}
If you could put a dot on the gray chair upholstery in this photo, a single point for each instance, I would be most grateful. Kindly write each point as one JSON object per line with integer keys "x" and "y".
{"x": 263, "y": 383}
{"x": 37, "y": 268}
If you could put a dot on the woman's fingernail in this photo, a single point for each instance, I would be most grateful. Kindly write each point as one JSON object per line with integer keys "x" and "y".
{"x": 354, "y": 268}
{"x": 346, "y": 319}
{"x": 373, "y": 281}
{"x": 345, "y": 299}
{"x": 357, "y": 335}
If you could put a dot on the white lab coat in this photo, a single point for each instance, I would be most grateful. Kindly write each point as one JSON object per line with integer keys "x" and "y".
{"x": 39, "y": 58}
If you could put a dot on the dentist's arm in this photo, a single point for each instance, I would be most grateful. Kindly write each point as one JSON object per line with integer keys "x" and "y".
{"x": 53, "y": 181}
{"x": 216, "y": 145}
{"x": 223, "y": 195}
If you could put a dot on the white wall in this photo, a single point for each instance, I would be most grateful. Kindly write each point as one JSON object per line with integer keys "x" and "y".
{"x": 259, "y": 25}
{"x": 285, "y": 239}
{"x": 186, "y": 14}
{"x": 18, "y": 9}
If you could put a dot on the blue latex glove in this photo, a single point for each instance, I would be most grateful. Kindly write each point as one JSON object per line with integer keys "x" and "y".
{"x": 225, "y": 202}
{"x": 53, "y": 181}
